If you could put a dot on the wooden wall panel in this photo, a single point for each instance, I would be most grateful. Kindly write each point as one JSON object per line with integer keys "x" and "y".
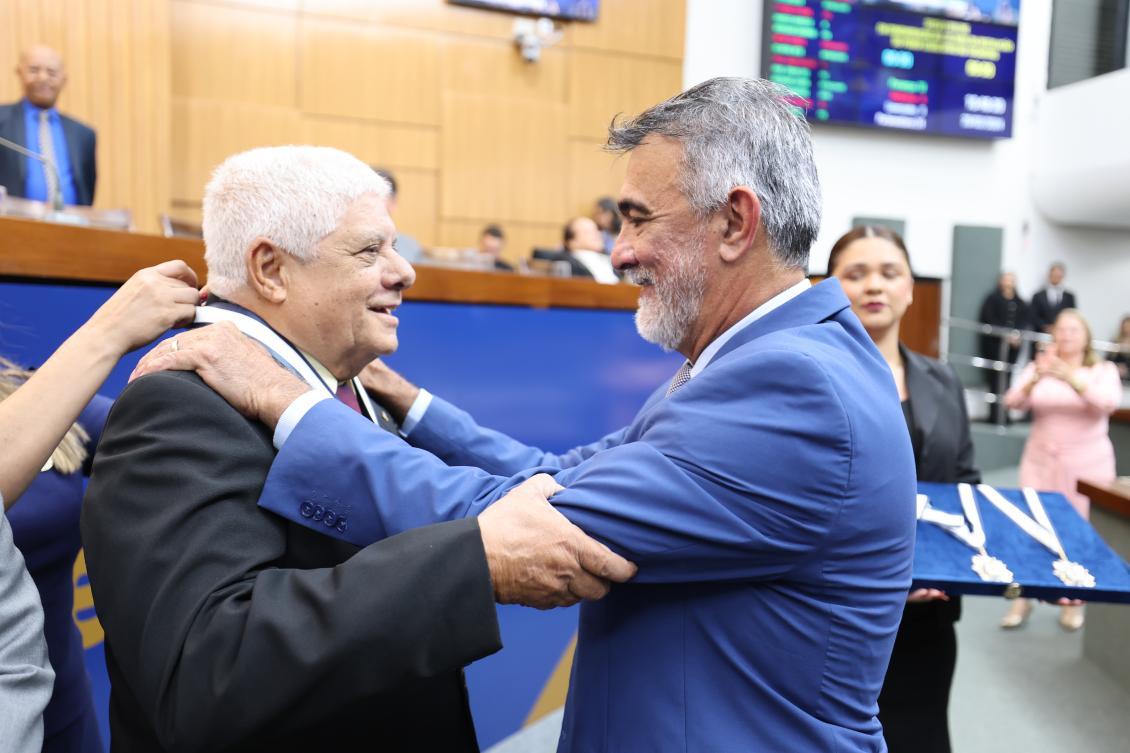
{"x": 384, "y": 144}
{"x": 283, "y": 6}
{"x": 207, "y": 131}
{"x": 642, "y": 27}
{"x": 417, "y": 204}
{"x": 118, "y": 65}
{"x": 435, "y": 92}
{"x": 370, "y": 72}
{"x": 502, "y": 159}
{"x": 593, "y": 173}
{"x": 604, "y": 84}
{"x": 493, "y": 69}
{"x": 430, "y": 15}
{"x": 234, "y": 54}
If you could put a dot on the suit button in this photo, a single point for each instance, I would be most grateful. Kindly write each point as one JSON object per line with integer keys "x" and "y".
{"x": 340, "y": 525}
{"x": 319, "y": 513}
{"x": 330, "y": 519}
{"x": 306, "y": 509}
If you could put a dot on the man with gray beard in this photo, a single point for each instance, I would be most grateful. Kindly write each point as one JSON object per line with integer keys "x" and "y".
{"x": 766, "y": 492}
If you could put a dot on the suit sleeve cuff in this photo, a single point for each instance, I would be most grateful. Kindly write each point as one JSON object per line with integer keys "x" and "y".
{"x": 294, "y": 413}
{"x": 415, "y": 413}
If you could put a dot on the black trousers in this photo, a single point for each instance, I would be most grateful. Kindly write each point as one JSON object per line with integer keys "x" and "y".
{"x": 914, "y": 702}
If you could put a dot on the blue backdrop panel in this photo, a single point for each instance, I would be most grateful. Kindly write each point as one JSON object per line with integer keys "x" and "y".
{"x": 555, "y": 378}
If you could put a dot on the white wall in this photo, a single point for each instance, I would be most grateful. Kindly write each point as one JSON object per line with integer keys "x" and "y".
{"x": 1098, "y": 270}
{"x": 931, "y": 183}
{"x": 1082, "y": 177}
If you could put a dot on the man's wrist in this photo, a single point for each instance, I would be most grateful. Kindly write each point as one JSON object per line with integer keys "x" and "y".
{"x": 400, "y": 399}
{"x": 275, "y": 399}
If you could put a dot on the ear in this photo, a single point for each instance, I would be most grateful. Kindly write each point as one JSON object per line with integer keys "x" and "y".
{"x": 742, "y": 214}
{"x": 267, "y": 270}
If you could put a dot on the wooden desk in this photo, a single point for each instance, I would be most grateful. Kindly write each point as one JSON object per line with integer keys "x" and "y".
{"x": 41, "y": 251}
{"x": 1114, "y": 497}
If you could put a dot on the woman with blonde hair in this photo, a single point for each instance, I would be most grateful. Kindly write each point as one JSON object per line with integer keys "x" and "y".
{"x": 50, "y": 420}
{"x": 1071, "y": 394}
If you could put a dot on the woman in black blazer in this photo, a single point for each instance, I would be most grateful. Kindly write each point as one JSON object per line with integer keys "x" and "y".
{"x": 872, "y": 265}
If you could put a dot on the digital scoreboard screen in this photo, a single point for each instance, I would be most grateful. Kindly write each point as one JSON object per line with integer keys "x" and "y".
{"x": 890, "y": 64}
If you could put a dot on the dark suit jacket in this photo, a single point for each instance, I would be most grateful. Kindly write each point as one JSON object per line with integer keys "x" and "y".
{"x": 577, "y": 269}
{"x": 80, "y": 149}
{"x": 937, "y": 401}
{"x": 230, "y": 629}
{"x": 1043, "y": 314}
{"x": 916, "y": 689}
{"x": 1002, "y": 312}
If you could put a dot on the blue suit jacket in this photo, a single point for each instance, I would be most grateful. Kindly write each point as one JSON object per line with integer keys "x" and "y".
{"x": 80, "y": 146}
{"x": 769, "y": 504}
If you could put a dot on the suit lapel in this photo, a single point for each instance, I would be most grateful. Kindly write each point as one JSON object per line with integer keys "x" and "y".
{"x": 924, "y": 391}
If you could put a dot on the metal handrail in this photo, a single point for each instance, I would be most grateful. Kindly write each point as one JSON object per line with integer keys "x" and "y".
{"x": 1002, "y": 365}
{"x": 1104, "y": 346}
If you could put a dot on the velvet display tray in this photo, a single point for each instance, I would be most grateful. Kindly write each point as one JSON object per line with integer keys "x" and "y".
{"x": 942, "y": 561}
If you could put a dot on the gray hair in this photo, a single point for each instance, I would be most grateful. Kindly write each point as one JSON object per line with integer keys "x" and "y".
{"x": 292, "y": 195}
{"x": 740, "y": 132}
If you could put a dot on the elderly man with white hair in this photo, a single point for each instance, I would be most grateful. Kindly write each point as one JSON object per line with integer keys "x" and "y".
{"x": 766, "y": 492}
{"x": 228, "y": 628}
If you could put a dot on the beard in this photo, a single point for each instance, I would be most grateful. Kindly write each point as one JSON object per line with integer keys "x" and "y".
{"x": 666, "y": 315}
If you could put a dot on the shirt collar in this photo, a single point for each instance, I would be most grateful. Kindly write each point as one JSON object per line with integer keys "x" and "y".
{"x": 323, "y": 373}
{"x": 36, "y": 109}
{"x": 773, "y": 303}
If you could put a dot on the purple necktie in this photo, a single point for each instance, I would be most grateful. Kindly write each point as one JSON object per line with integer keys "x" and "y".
{"x": 346, "y": 395}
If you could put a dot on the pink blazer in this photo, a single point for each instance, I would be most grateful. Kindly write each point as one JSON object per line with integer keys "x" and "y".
{"x": 1069, "y": 438}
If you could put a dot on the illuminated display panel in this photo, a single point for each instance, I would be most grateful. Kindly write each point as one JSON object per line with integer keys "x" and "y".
{"x": 887, "y": 64}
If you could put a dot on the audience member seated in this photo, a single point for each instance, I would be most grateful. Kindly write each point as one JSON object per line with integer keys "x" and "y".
{"x": 407, "y": 246}
{"x": 607, "y": 217}
{"x": 491, "y": 242}
{"x": 35, "y": 124}
{"x": 581, "y": 249}
{"x": 48, "y": 427}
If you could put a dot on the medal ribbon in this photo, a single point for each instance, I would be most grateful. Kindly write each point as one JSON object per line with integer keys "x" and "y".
{"x": 1038, "y": 526}
{"x": 973, "y": 534}
{"x": 256, "y": 330}
{"x": 987, "y": 567}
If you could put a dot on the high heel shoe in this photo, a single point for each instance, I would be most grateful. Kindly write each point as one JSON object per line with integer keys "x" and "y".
{"x": 1071, "y": 618}
{"x": 1017, "y": 615}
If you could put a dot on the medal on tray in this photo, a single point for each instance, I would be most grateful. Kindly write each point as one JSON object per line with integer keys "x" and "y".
{"x": 1039, "y": 526}
{"x": 972, "y": 534}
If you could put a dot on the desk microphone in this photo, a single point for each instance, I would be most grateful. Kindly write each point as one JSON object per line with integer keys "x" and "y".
{"x": 57, "y": 199}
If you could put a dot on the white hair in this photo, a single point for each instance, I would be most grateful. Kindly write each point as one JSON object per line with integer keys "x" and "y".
{"x": 740, "y": 132}
{"x": 293, "y": 196}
